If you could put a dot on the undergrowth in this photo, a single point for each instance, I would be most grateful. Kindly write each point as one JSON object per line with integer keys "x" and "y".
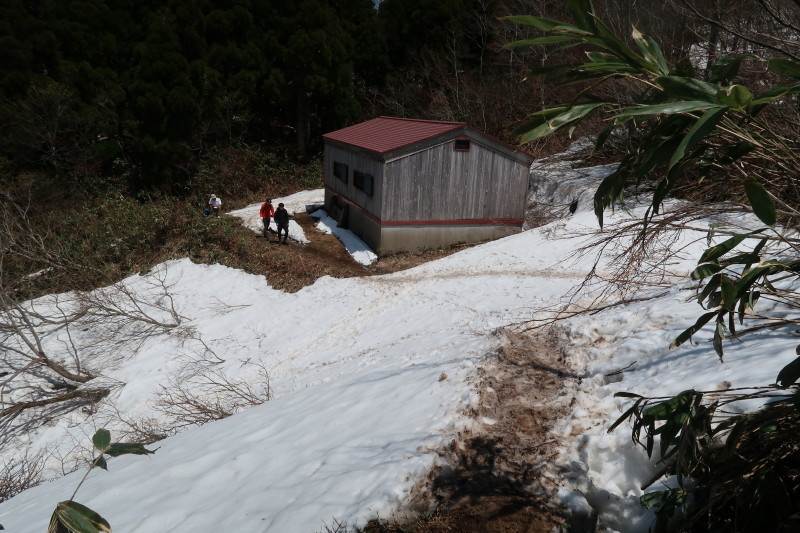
{"x": 97, "y": 232}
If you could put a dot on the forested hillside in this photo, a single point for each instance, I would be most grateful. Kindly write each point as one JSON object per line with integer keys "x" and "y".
{"x": 146, "y": 89}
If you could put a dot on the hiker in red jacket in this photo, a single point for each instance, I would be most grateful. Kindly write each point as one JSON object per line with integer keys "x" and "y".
{"x": 267, "y": 211}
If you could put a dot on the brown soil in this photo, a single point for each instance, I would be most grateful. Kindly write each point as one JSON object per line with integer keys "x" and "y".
{"x": 493, "y": 478}
{"x": 295, "y": 266}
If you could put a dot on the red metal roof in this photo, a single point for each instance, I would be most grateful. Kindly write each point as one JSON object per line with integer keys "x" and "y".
{"x": 384, "y": 134}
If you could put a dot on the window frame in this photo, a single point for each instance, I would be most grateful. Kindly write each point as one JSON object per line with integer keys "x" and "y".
{"x": 337, "y": 168}
{"x": 360, "y": 179}
{"x": 462, "y": 148}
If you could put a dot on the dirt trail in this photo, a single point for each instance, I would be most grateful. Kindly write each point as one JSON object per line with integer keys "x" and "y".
{"x": 493, "y": 478}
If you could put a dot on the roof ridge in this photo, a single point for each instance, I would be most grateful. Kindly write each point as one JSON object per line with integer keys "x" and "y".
{"x": 424, "y": 120}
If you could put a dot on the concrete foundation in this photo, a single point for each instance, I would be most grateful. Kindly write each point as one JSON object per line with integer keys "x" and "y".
{"x": 416, "y": 238}
{"x": 410, "y": 238}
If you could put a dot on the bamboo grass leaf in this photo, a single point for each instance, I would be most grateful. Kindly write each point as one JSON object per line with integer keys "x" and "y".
{"x": 540, "y": 41}
{"x": 651, "y": 51}
{"x": 540, "y": 23}
{"x": 704, "y": 125}
{"x": 736, "y": 96}
{"x": 78, "y": 518}
{"x": 668, "y": 108}
{"x": 688, "y": 88}
{"x": 688, "y": 332}
{"x": 549, "y": 125}
{"x": 784, "y": 67}
{"x": 715, "y": 252}
{"x": 582, "y": 11}
{"x": 762, "y": 204}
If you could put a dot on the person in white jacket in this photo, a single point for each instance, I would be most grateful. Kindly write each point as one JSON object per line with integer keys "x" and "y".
{"x": 214, "y": 204}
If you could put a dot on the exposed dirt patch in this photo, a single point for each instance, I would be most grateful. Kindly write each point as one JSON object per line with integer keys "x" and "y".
{"x": 494, "y": 478}
{"x": 295, "y": 266}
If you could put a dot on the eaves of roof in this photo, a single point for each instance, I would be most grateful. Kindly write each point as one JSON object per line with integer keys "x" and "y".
{"x": 390, "y": 137}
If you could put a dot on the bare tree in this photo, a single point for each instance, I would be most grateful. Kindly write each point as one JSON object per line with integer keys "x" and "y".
{"x": 43, "y": 341}
{"x": 20, "y": 474}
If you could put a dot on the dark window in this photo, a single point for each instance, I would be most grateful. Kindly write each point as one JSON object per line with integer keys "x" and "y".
{"x": 340, "y": 171}
{"x": 461, "y": 145}
{"x": 362, "y": 181}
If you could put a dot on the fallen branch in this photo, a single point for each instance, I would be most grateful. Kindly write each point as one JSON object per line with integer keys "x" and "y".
{"x": 89, "y": 396}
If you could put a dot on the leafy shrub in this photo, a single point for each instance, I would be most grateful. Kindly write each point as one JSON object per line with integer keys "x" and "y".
{"x": 70, "y": 516}
{"x": 737, "y": 146}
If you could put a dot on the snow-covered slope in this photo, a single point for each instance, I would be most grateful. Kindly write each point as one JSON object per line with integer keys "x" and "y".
{"x": 369, "y": 376}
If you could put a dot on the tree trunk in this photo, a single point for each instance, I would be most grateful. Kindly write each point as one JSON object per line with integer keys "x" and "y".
{"x": 303, "y": 126}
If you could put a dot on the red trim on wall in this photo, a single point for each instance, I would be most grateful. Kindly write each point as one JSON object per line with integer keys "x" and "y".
{"x": 459, "y": 222}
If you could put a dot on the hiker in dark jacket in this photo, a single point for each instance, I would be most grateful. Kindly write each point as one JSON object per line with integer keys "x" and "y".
{"x": 282, "y": 220}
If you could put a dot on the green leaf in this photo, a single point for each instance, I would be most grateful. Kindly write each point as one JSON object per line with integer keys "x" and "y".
{"x": 666, "y": 409}
{"x": 728, "y": 293}
{"x": 77, "y": 518}
{"x": 602, "y": 57}
{"x": 725, "y": 69}
{"x": 667, "y": 108}
{"x": 551, "y": 39}
{"x": 762, "y": 204}
{"x": 705, "y": 270}
{"x": 752, "y": 275}
{"x": 737, "y": 151}
{"x": 779, "y": 92}
{"x": 651, "y": 51}
{"x": 540, "y": 23}
{"x": 704, "y": 125}
{"x": 127, "y": 448}
{"x": 789, "y": 374}
{"x": 711, "y": 286}
{"x": 55, "y": 525}
{"x": 610, "y": 41}
{"x": 610, "y": 190}
{"x": 624, "y": 416}
{"x": 606, "y": 68}
{"x": 623, "y": 394}
{"x": 747, "y": 303}
{"x": 101, "y": 439}
{"x": 553, "y": 124}
{"x": 742, "y": 259}
{"x": 687, "y": 334}
{"x": 719, "y": 333}
{"x": 725, "y": 246}
{"x": 736, "y": 96}
{"x": 539, "y": 118}
{"x": 100, "y": 462}
{"x": 582, "y": 11}
{"x": 784, "y": 67}
{"x": 602, "y": 138}
{"x": 688, "y": 88}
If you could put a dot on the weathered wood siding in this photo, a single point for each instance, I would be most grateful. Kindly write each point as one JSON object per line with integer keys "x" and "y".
{"x": 354, "y": 161}
{"x": 441, "y": 184}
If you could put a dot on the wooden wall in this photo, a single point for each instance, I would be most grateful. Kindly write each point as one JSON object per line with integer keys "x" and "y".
{"x": 442, "y": 184}
{"x": 354, "y": 161}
